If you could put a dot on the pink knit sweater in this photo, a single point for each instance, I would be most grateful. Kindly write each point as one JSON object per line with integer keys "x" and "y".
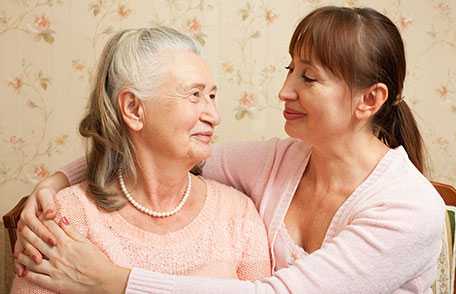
{"x": 227, "y": 239}
{"x": 385, "y": 238}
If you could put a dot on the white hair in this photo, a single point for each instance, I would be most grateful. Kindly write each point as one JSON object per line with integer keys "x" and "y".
{"x": 136, "y": 63}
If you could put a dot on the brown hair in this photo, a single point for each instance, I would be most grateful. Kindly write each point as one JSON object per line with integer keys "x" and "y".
{"x": 364, "y": 47}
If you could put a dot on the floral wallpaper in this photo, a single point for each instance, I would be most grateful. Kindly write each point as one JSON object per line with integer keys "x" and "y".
{"x": 48, "y": 50}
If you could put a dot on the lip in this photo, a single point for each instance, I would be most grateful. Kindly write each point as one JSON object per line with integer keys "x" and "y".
{"x": 290, "y": 114}
{"x": 204, "y": 137}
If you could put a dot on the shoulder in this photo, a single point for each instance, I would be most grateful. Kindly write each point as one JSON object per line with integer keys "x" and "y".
{"x": 73, "y": 195}
{"x": 74, "y": 203}
{"x": 404, "y": 194}
{"x": 404, "y": 182}
{"x": 70, "y": 195}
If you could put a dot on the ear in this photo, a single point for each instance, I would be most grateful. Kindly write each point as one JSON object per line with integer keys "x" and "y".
{"x": 372, "y": 99}
{"x": 132, "y": 110}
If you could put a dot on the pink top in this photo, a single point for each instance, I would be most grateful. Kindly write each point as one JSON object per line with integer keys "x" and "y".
{"x": 227, "y": 239}
{"x": 385, "y": 238}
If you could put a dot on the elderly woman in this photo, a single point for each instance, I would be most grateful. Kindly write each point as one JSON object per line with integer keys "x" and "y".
{"x": 150, "y": 121}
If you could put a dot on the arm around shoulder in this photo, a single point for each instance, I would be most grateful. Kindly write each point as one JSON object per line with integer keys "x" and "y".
{"x": 384, "y": 245}
{"x": 75, "y": 171}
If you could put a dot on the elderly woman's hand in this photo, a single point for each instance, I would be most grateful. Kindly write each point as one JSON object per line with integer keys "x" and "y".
{"x": 73, "y": 265}
{"x": 39, "y": 203}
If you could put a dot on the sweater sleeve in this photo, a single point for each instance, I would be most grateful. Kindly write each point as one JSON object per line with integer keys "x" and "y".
{"x": 383, "y": 247}
{"x": 255, "y": 260}
{"x": 68, "y": 205}
{"x": 75, "y": 171}
{"x": 242, "y": 165}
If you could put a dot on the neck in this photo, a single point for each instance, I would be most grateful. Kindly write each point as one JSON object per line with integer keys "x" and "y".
{"x": 161, "y": 182}
{"x": 343, "y": 165}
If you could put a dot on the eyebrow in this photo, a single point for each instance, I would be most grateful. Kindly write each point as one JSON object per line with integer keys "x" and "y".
{"x": 200, "y": 86}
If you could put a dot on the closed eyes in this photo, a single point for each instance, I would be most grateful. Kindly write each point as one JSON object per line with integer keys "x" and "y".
{"x": 306, "y": 78}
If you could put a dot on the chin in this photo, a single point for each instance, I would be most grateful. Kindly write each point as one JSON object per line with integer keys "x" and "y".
{"x": 201, "y": 152}
{"x": 293, "y": 132}
{"x": 206, "y": 153}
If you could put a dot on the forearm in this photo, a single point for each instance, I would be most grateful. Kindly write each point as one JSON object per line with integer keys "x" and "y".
{"x": 242, "y": 165}
{"x": 141, "y": 281}
{"x": 75, "y": 171}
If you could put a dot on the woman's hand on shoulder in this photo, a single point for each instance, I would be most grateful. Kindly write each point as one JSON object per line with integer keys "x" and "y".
{"x": 73, "y": 265}
{"x": 40, "y": 203}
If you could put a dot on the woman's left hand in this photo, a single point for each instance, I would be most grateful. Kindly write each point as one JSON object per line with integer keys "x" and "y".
{"x": 74, "y": 265}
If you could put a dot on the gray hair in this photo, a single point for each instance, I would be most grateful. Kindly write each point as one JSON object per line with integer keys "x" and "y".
{"x": 130, "y": 60}
{"x": 138, "y": 47}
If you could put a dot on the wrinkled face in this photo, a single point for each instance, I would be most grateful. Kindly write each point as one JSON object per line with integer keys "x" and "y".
{"x": 318, "y": 107}
{"x": 180, "y": 119}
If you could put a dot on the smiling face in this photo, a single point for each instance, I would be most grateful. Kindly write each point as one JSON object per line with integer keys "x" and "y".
{"x": 179, "y": 121}
{"x": 317, "y": 104}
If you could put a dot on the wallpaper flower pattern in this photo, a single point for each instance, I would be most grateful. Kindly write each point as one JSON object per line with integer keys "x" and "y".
{"x": 49, "y": 49}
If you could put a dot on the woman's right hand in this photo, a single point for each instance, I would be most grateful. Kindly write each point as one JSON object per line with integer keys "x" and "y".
{"x": 40, "y": 203}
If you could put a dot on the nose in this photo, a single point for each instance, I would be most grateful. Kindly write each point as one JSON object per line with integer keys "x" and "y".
{"x": 288, "y": 91}
{"x": 210, "y": 113}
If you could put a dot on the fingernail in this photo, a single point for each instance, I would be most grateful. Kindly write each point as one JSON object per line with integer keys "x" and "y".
{"x": 51, "y": 242}
{"x": 65, "y": 221}
{"x": 24, "y": 272}
{"x": 19, "y": 272}
{"x": 48, "y": 213}
{"x": 36, "y": 259}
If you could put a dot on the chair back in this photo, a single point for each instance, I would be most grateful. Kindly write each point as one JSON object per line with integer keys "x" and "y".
{"x": 445, "y": 282}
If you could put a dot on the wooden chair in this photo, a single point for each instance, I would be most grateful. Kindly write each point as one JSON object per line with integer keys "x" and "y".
{"x": 447, "y": 192}
{"x": 11, "y": 218}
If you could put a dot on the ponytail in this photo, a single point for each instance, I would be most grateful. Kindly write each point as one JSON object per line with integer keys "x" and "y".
{"x": 109, "y": 145}
{"x": 396, "y": 126}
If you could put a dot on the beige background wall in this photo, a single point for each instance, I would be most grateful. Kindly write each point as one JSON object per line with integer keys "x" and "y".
{"x": 48, "y": 49}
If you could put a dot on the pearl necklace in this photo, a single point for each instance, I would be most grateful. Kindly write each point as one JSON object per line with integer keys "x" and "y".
{"x": 149, "y": 211}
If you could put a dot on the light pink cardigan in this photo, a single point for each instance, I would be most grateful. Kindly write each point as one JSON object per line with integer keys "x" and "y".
{"x": 385, "y": 238}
